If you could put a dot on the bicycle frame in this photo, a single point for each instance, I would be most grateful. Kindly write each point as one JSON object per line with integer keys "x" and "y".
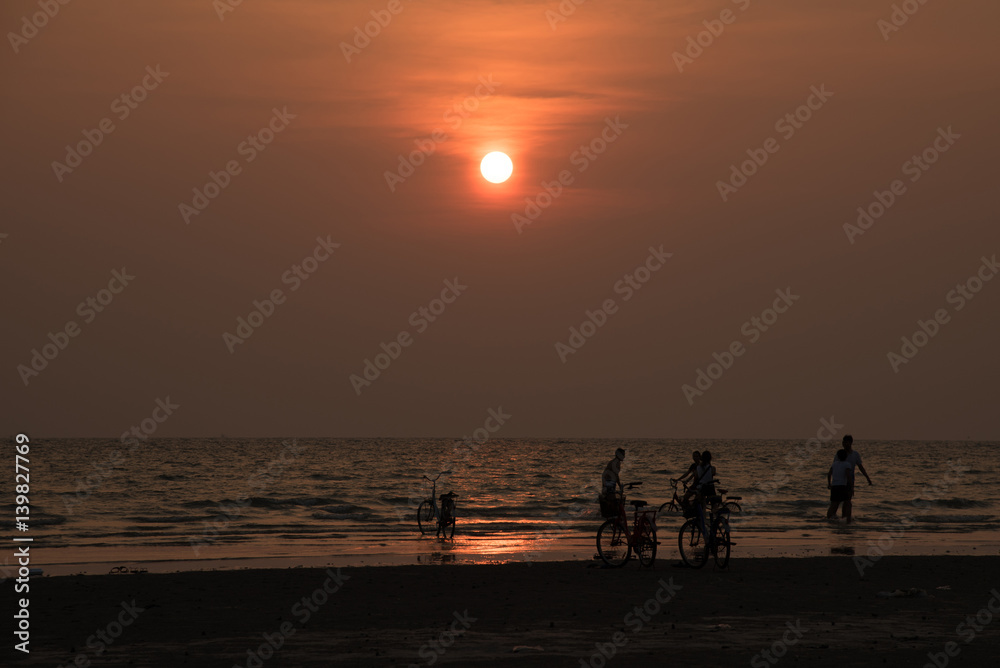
{"x": 676, "y": 503}
{"x": 443, "y": 514}
{"x": 433, "y": 497}
{"x": 637, "y": 517}
{"x": 713, "y": 518}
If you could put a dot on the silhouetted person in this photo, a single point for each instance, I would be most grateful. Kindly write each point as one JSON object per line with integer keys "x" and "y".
{"x": 704, "y": 479}
{"x": 696, "y": 457}
{"x": 609, "y": 481}
{"x": 838, "y": 479}
{"x": 610, "y": 477}
{"x": 854, "y": 459}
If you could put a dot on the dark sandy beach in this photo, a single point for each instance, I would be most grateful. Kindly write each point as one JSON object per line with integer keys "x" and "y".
{"x": 815, "y": 611}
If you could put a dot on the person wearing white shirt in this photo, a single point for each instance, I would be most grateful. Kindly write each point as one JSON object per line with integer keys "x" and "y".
{"x": 838, "y": 479}
{"x": 854, "y": 459}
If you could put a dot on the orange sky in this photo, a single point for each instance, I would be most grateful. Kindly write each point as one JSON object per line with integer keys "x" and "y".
{"x": 554, "y": 90}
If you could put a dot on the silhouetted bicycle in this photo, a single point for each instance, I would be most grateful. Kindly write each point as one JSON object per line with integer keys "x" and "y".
{"x": 429, "y": 514}
{"x": 615, "y": 542}
{"x": 675, "y": 506}
{"x": 696, "y": 541}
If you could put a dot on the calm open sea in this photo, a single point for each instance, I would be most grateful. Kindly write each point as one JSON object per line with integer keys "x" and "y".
{"x": 97, "y": 500}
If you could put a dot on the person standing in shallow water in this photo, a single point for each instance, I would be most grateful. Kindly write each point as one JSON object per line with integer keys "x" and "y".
{"x": 840, "y": 475}
{"x": 854, "y": 459}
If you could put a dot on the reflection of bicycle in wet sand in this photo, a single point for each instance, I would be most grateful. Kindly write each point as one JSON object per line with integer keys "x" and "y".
{"x": 430, "y": 514}
{"x": 615, "y": 542}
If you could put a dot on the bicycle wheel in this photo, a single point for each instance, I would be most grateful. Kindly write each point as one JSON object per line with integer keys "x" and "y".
{"x": 612, "y": 543}
{"x": 425, "y": 517}
{"x": 722, "y": 544}
{"x": 691, "y": 544}
{"x": 733, "y": 507}
{"x": 647, "y": 543}
{"x": 669, "y": 509}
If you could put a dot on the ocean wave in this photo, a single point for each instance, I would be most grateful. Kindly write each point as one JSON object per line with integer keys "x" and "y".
{"x": 796, "y": 504}
{"x": 360, "y": 514}
{"x": 37, "y": 520}
{"x": 957, "y": 503}
{"x": 259, "y": 502}
{"x": 953, "y": 519}
{"x": 960, "y": 503}
{"x": 521, "y": 488}
{"x": 166, "y": 519}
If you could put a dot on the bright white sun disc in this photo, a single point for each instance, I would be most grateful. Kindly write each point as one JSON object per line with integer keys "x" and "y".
{"x": 496, "y": 167}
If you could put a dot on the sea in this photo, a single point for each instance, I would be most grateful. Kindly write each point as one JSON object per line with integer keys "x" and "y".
{"x": 187, "y": 503}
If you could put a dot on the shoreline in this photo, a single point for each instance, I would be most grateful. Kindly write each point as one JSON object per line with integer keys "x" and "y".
{"x": 551, "y": 613}
{"x": 847, "y": 541}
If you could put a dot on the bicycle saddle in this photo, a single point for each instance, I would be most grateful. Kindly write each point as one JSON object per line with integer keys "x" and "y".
{"x": 449, "y": 495}
{"x": 637, "y": 504}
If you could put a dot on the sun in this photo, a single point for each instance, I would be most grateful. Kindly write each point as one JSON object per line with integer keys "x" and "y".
{"x": 496, "y": 167}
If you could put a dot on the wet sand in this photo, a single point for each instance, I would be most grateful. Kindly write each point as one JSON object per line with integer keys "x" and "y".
{"x": 814, "y": 611}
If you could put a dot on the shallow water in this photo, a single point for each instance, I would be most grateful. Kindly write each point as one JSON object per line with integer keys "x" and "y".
{"x": 225, "y": 498}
